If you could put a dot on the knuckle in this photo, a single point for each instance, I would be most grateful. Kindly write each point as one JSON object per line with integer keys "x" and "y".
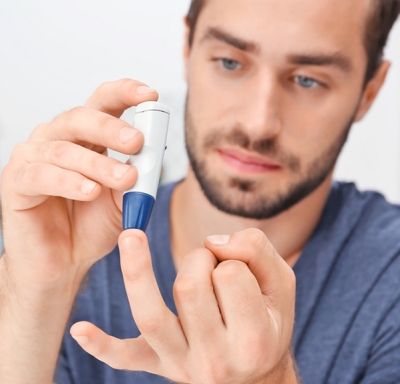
{"x": 18, "y": 151}
{"x": 119, "y": 358}
{"x": 99, "y": 349}
{"x": 229, "y": 270}
{"x": 73, "y": 111}
{"x": 106, "y": 126}
{"x": 257, "y": 238}
{"x": 148, "y": 324}
{"x": 198, "y": 253}
{"x": 133, "y": 268}
{"x": 126, "y": 85}
{"x": 62, "y": 180}
{"x": 70, "y": 117}
{"x": 103, "y": 87}
{"x": 34, "y": 173}
{"x": 95, "y": 162}
{"x": 185, "y": 288}
{"x": 38, "y": 131}
{"x": 57, "y": 151}
{"x": 40, "y": 127}
{"x": 7, "y": 174}
{"x": 252, "y": 239}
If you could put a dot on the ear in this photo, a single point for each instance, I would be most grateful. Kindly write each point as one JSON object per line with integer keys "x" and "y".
{"x": 186, "y": 47}
{"x": 372, "y": 89}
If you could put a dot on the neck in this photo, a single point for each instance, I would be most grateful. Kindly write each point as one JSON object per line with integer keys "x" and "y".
{"x": 193, "y": 218}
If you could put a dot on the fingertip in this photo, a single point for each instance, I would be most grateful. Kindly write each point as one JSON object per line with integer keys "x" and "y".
{"x": 88, "y": 187}
{"x": 145, "y": 90}
{"x": 131, "y": 232}
{"x": 79, "y": 329}
{"x": 131, "y": 241}
{"x": 80, "y": 332}
{"x": 127, "y": 134}
{"x": 139, "y": 92}
{"x": 218, "y": 240}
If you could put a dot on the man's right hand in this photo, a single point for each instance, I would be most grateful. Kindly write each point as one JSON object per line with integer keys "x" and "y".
{"x": 62, "y": 199}
{"x": 62, "y": 195}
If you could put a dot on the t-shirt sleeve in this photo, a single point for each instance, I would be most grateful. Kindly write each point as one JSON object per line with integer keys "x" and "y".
{"x": 63, "y": 373}
{"x": 384, "y": 361}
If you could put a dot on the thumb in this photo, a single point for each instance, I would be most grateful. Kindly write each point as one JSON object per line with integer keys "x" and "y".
{"x": 252, "y": 247}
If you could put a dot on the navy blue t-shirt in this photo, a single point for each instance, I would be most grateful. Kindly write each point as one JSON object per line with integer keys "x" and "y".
{"x": 347, "y": 326}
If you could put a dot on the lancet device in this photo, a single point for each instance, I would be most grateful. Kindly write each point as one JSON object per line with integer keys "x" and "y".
{"x": 152, "y": 119}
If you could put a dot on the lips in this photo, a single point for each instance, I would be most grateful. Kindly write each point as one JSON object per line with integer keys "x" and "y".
{"x": 244, "y": 161}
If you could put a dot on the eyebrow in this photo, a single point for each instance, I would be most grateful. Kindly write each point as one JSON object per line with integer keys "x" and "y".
{"x": 243, "y": 45}
{"x": 337, "y": 60}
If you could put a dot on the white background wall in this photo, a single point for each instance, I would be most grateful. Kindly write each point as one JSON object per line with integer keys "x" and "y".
{"x": 53, "y": 54}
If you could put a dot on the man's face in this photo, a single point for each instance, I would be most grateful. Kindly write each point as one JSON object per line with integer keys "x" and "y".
{"x": 274, "y": 86}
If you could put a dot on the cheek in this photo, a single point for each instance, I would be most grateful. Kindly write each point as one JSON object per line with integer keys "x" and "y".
{"x": 311, "y": 129}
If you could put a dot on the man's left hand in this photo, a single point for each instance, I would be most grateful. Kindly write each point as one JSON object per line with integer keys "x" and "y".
{"x": 235, "y": 300}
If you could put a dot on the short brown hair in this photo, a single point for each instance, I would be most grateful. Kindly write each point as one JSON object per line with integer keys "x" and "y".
{"x": 380, "y": 22}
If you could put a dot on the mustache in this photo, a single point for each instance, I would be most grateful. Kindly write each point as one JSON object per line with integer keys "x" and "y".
{"x": 264, "y": 147}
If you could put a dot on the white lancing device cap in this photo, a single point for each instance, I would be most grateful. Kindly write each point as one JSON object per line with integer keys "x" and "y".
{"x": 152, "y": 119}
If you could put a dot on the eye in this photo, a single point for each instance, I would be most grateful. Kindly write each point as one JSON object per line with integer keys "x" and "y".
{"x": 306, "y": 82}
{"x": 230, "y": 64}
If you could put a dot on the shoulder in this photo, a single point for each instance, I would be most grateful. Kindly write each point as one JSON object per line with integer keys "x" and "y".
{"x": 356, "y": 247}
{"x": 368, "y": 215}
{"x": 348, "y": 292}
{"x": 368, "y": 258}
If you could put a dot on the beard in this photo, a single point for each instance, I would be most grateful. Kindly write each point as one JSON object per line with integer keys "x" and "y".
{"x": 248, "y": 198}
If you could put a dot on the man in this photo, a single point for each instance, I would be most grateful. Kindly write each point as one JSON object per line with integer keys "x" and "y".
{"x": 274, "y": 87}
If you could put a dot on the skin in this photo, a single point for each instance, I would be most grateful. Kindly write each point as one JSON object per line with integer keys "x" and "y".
{"x": 221, "y": 279}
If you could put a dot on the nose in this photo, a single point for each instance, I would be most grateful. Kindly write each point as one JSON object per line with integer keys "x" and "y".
{"x": 260, "y": 114}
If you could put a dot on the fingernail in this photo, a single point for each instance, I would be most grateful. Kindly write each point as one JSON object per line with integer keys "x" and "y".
{"x": 120, "y": 170}
{"x": 126, "y": 134}
{"x": 143, "y": 90}
{"x": 81, "y": 339}
{"x": 130, "y": 245}
{"x": 219, "y": 239}
{"x": 88, "y": 186}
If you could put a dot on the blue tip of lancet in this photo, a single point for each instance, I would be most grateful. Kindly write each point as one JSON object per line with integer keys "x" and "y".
{"x": 136, "y": 210}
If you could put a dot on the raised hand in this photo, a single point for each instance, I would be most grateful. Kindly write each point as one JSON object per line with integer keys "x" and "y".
{"x": 61, "y": 202}
{"x": 62, "y": 194}
{"x": 235, "y": 301}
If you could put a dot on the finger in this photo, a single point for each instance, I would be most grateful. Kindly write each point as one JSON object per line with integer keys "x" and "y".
{"x": 252, "y": 327}
{"x": 49, "y": 180}
{"x": 251, "y": 246}
{"x": 102, "y": 169}
{"x": 158, "y": 325}
{"x": 129, "y": 354}
{"x": 239, "y": 297}
{"x": 83, "y": 125}
{"x": 114, "y": 97}
{"x": 196, "y": 302}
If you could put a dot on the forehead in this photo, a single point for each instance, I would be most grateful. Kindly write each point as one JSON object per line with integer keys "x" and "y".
{"x": 290, "y": 25}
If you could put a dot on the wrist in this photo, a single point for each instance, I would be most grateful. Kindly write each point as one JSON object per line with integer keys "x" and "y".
{"x": 285, "y": 372}
{"x": 32, "y": 295}
{"x": 33, "y": 318}
{"x": 16, "y": 277}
